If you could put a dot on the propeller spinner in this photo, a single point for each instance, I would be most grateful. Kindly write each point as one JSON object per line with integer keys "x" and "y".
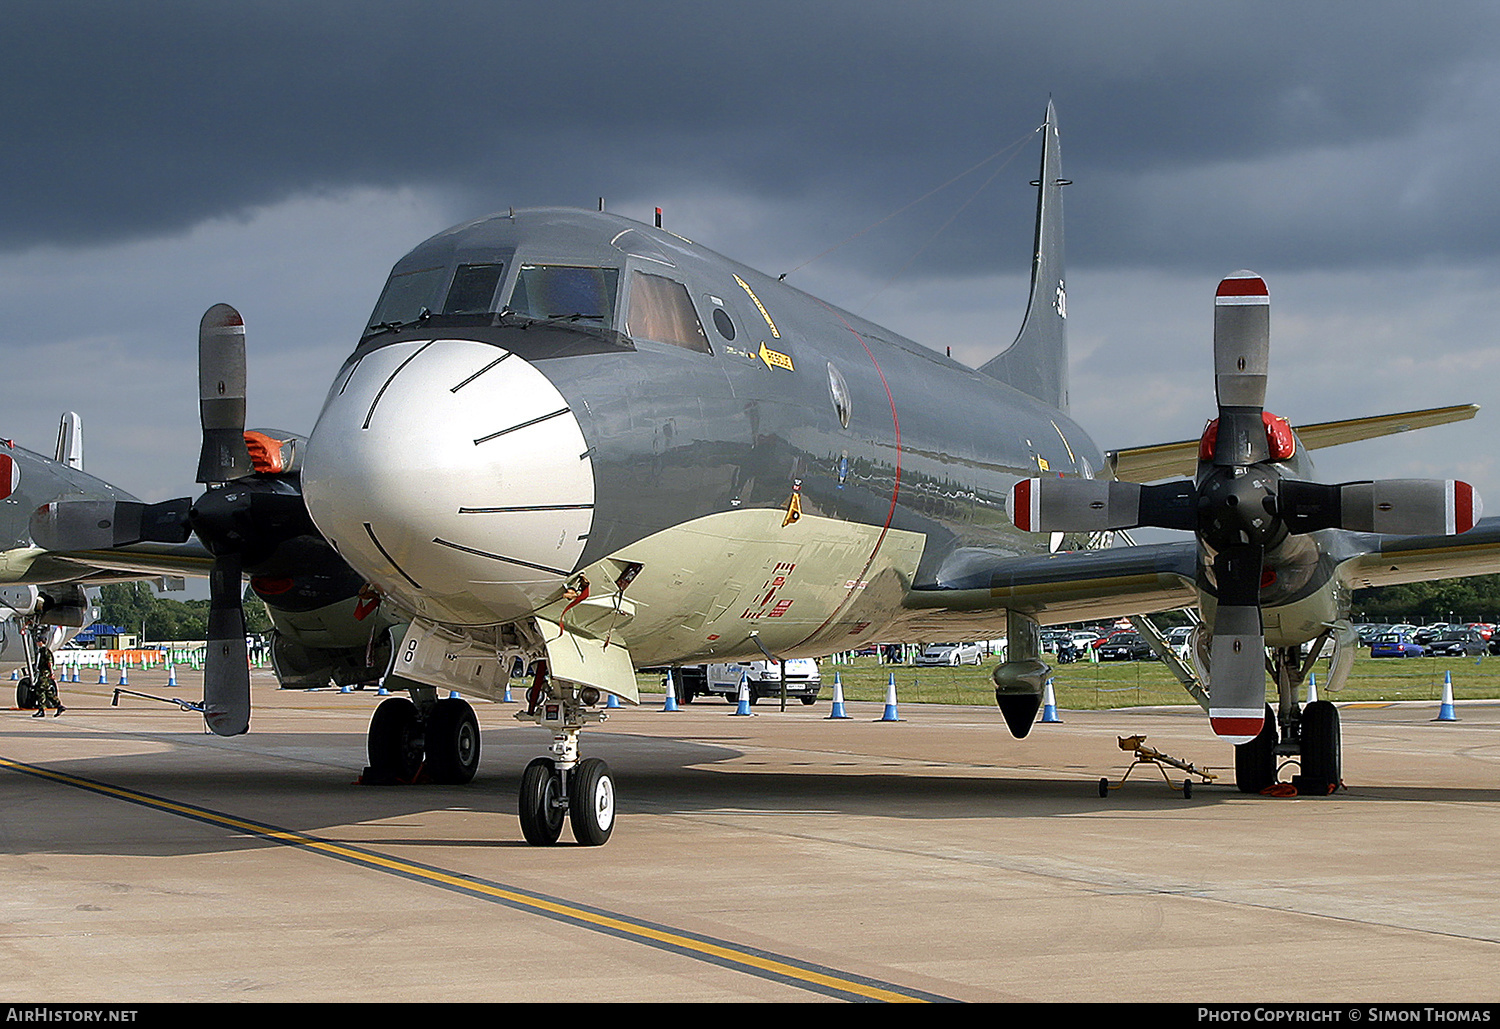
{"x": 1240, "y": 507}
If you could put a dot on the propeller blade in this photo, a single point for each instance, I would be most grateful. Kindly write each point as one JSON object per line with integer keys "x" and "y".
{"x": 1237, "y": 652}
{"x": 102, "y": 524}
{"x": 226, "y": 666}
{"x": 1408, "y": 507}
{"x": 1242, "y": 349}
{"x": 1242, "y": 340}
{"x": 221, "y": 396}
{"x": 1097, "y": 505}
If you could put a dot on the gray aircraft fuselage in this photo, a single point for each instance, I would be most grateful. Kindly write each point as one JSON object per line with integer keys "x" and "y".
{"x": 786, "y": 397}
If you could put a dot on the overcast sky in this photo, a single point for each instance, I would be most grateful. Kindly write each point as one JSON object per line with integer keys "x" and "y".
{"x": 162, "y": 157}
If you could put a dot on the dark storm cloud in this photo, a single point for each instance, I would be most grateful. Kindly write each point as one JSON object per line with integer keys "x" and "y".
{"x": 1335, "y": 132}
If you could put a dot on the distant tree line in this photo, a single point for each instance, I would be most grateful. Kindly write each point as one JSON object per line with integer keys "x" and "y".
{"x": 134, "y": 605}
{"x": 1472, "y": 599}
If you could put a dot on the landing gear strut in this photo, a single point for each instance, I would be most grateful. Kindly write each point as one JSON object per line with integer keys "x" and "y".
{"x": 563, "y": 785}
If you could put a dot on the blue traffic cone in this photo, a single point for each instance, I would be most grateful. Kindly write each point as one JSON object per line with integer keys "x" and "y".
{"x": 124, "y": 679}
{"x": 15, "y": 675}
{"x": 1445, "y": 710}
{"x": 172, "y": 675}
{"x": 508, "y": 698}
{"x": 382, "y": 692}
{"x": 743, "y": 707}
{"x": 612, "y": 701}
{"x": 1312, "y": 687}
{"x": 890, "y": 702}
{"x": 671, "y": 702}
{"x": 838, "y": 698}
{"x": 1049, "y": 705}
{"x": 102, "y": 679}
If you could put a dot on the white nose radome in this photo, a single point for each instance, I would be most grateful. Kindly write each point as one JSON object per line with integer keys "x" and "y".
{"x": 454, "y": 476}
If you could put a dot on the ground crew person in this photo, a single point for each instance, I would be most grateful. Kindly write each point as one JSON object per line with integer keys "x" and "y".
{"x": 44, "y": 684}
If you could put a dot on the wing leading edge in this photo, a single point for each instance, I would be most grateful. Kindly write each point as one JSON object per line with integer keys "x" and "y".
{"x": 1070, "y": 586}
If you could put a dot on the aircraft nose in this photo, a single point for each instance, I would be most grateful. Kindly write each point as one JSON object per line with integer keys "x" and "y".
{"x": 454, "y": 475}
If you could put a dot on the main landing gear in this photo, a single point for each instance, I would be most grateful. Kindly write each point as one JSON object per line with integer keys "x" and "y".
{"x": 430, "y": 740}
{"x": 563, "y": 786}
{"x": 1309, "y": 733}
{"x": 438, "y": 739}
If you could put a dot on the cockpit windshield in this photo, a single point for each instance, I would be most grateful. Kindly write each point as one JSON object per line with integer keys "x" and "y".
{"x": 566, "y": 291}
{"x": 407, "y": 295}
{"x": 473, "y": 289}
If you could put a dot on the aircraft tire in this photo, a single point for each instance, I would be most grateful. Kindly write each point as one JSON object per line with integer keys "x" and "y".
{"x": 541, "y": 816}
{"x": 1322, "y": 749}
{"x": 395, "y": 744}
{"x": 1255, "y": 762}
{"x": 591, "y": 802}
{"x": 25, "y": 695}
{"x": 452, "y": 742}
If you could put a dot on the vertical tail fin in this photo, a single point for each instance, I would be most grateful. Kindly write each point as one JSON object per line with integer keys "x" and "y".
{"x": 70, "y": 441}
{"x": 1037, "y": 362}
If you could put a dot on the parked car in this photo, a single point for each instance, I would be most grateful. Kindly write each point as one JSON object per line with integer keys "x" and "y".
{"x": 1101, "y": 640}
{"x": 1458, "y": 642}
{"x": 1125, "y": 646}
{"x": 803, "y": 679}
{"x": 1395, "y": 644}
{"x": 940, "y": 654}
{"x": 1180, "y": 635}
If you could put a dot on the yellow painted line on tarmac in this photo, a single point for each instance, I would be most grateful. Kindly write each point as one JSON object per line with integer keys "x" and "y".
{"x": 791, "y": 971}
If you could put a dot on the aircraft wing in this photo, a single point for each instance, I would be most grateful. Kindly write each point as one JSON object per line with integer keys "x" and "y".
{"x": 1180, "y": 459}
{"x": 1070, "y": 586}
{"x": 1389, "y": 560}
{"x": 140, "y": 560}
{"x": 1082, "y": 585}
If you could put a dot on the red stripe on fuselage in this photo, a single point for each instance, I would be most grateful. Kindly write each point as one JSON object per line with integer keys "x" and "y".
{"x": 890, "y": 515}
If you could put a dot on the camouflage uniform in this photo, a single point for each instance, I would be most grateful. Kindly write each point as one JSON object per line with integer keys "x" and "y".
{"x": 45, "y": 685}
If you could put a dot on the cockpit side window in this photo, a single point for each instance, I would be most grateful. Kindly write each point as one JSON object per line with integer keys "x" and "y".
{"x": 407, "y": 295}
{"x": 661, "y": 310}
{"x": 473, "y": 289}
{"x": 566, "y": 291}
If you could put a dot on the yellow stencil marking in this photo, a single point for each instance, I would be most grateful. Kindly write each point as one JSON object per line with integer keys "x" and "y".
{"x": 759, "y": 306}
{"x": 775, "y": 360}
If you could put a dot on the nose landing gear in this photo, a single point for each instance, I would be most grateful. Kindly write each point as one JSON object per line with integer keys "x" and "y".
{"x": 563, "y": 785}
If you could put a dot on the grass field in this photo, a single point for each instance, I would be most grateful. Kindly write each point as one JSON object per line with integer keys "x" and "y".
{"x": 1084, "y": 686}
